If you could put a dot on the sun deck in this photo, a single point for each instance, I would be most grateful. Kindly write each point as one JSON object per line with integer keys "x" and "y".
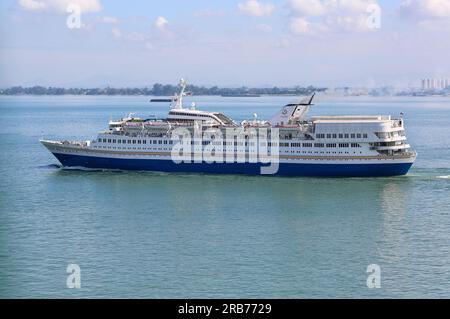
{"x": 351, "y": 118}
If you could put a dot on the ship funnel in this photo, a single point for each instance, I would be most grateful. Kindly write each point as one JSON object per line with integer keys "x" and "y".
{"x": 292, "y": 112}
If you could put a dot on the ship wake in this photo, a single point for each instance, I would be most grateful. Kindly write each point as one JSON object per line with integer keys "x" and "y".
{"x": 87, "y": 169}
{"x": 51, "y": 166}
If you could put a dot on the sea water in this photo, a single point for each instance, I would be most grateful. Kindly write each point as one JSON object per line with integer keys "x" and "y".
{"x": 158, "y": 235}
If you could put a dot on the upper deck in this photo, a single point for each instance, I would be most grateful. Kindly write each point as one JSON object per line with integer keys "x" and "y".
{"x": 351, "y": 119}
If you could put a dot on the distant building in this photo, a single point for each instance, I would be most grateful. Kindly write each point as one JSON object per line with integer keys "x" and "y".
{"x": 435, "y": 84}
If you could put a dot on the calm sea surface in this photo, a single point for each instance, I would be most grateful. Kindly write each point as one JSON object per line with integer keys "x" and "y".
{"x": 142, "y": 234}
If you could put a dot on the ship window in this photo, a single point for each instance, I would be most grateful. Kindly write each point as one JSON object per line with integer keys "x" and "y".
{"x": 154, "y": 141}
{"x": 165, "y": 142}
{"x": 104, "y": 140}
{"x": 139, "y": 141}
{"x": 346, "y": 135}
{"x": 109, "y": 140}
{"x": 159, "y": 142}
{"x": 352, "y": 135}
{"x": 328, "y": 135}
{"x": 99, "y": 140}
{"x": 331, "y": 145}
{"x": 144, "y": 141}
{"x": 358, "y": 135}
{"x": 134, "y": 141}
{"x": 341, "y": 135}
{"x": 365, "y": 135}
{"x": 334, "y": 135}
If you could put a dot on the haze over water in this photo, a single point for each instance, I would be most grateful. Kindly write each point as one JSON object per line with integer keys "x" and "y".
{"x": 143, "y": 234}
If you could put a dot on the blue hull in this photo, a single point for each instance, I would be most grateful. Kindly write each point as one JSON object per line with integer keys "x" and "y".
{"x": 285, "y": 169}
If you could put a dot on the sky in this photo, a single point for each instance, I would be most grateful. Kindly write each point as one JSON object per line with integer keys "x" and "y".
{"x": 330, "y": 43}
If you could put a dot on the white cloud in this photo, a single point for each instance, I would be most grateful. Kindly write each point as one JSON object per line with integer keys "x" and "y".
{"x": 161, "y": 23}
{"x": 308, "y": 7}
{"x": 129, "y": 36}
{"x": 426, "y": 9}
{"x": 300, "y": 26}
{"x": 350, "y": 23}
{"x": 159, "y": 35}
{"x": 32, "y": 5}
{"x": 430, "y": 15}
{"x": 322, "y": 7}
{"x": 320, "y": 16}
{"x": 60, "y": 6}
{"x": 108, "y": 20}
{"x": 356, "y": 6}
{"x": 256, "y": 8}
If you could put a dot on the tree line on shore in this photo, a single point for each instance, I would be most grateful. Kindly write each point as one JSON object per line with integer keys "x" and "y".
{"x": 159, "y": 90}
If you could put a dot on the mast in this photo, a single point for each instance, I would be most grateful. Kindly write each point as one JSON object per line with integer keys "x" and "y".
{"x": 178, "y": 98}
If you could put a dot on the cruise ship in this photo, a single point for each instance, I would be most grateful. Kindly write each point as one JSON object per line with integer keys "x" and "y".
{"x": 290, "y": 143}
